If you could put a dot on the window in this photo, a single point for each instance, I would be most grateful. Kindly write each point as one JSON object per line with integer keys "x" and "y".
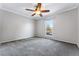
{"x": 49, "y": 27}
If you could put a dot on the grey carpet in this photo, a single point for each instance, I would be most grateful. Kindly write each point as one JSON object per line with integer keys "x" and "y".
{"x": 38, "y": 47}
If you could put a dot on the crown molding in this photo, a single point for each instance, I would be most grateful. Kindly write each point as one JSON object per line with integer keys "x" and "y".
{"x": 62, "y": 11}
{"x": 15, "y": 12}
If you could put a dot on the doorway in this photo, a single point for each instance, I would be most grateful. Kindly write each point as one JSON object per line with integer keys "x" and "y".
{"x": 49, "y": 27}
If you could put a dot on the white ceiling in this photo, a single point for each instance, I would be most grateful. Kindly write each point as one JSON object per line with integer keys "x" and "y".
{"x": 19, "y": 8}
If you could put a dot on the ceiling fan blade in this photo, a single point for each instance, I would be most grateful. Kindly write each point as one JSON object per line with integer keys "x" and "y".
{"x": 29, "y": 9}
{"x": 45, "y": 10}
{"x": 41, "y": 15}
{"x": 38, "y": 6}
{"x": 33, "y": 14}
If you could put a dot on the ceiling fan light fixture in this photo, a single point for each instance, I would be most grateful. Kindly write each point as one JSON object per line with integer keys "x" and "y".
{"x": 37, "y": 12}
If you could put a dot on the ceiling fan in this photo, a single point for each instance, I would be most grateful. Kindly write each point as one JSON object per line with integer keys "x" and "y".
{"x": 38, "y": 10}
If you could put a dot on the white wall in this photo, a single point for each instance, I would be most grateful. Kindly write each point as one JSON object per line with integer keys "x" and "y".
{"x": 78, "y": 28}
{"x": 40, "y": 28}
{"x": 0, "y": 25}
{"x": 65, "y": 26}
{"x": 15, "y": 27}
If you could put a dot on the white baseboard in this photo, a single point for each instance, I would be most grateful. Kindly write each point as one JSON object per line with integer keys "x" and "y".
{"x": 4, "y": 41}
